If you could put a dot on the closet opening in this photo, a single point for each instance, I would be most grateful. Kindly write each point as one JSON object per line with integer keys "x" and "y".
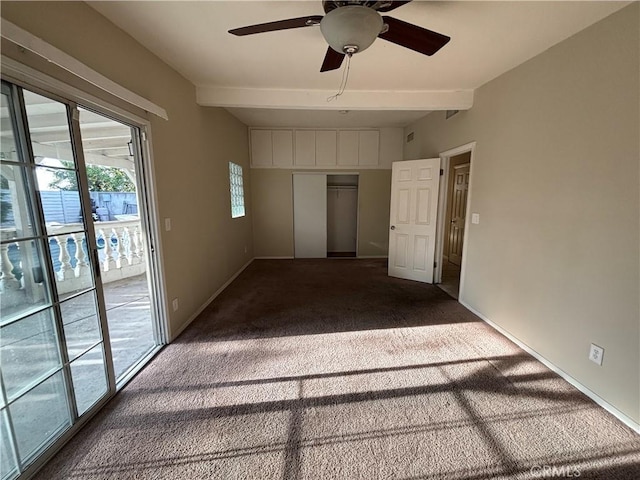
{"x": 342, "y": 216}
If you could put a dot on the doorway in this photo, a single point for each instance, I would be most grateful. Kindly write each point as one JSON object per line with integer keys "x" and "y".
{"x": 453, "y": 221}
{"x": 342, "y": 216}
{"x": 68, "y": 242}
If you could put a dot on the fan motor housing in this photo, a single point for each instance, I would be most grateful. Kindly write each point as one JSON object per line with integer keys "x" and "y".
{"x": 351, "y": 26}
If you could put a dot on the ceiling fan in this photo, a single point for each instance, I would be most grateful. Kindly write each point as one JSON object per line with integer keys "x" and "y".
{"x": 351, "y": 26}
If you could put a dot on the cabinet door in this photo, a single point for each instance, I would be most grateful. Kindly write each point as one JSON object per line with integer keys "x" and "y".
{"x": 261, "y": 148}
{"x": 348, "y": 145}
{"x": 282, "y": 148}
{"x": 326, "y": 147}
{"x": 368, "y": 153}
{"x": 305, "y": 148}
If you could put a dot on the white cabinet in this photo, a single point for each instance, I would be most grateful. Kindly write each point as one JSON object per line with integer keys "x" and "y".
{"x": 358, "y": 148}
{"x": 307, "y": 148}
{"x": 261, "y": 148}
{"x": 272, "y": 148}
{"x": 305, "y": 151}
{"x": 326, "y": 148}
{"x": 369, "y": 147}
{"x": 282, "y": 148}
{"x": 348, "y": 147}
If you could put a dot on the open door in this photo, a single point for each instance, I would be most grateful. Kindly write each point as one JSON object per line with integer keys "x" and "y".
{"x": 458, "y": 212}
{"x": 414, "y": 207}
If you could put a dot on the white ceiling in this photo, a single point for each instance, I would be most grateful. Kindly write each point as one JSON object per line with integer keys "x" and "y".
{"x": 388, "y": 85}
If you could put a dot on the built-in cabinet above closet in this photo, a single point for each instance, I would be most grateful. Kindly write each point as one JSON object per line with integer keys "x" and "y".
{"x": 325, "y": 148}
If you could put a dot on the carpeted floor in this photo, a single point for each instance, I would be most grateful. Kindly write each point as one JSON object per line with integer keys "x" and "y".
{"x": 326, "y": 369}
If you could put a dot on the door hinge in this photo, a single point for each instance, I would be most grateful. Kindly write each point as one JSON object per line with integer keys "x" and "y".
{"x": 435, "y": 264}
{"x": 441, "y": 172}
{"x": 144, "y": 136}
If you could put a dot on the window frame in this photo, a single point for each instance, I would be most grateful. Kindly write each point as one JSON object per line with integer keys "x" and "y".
{"x": 236, "y": 190}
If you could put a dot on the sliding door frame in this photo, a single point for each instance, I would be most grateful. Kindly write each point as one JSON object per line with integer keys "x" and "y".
{"x": 26, "y": 77}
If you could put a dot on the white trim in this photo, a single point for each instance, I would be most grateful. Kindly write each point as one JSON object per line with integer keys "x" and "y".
{"x": 212, "y": 96}
{"x": 208, "y": 301}
{"x": 444, "y": 157}
{"x": 328, "y": 168}
{"x": 373, "y": 256}
{"x": 21, "y": 37}
{"x": 153, "y": 221}
{"x": 441, "y": 218}
{"x": 17, "y": 72}
{"x": 589, "y": 393}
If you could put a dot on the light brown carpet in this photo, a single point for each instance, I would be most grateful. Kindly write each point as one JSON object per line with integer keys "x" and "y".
{"x": 327, "y": 369}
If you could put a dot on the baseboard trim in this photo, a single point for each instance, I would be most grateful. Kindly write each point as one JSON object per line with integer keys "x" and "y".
{"x": 209, "y": 300}
{"x": 273, "y": 258}
{"x": 589, "y": 393}
{"x": 372, "y": 256}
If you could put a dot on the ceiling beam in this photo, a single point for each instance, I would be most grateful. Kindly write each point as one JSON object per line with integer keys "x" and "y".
{"x": 317, "y": 99}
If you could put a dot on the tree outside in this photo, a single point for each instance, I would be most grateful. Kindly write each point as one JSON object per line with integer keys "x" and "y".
{"x": 100, "y": 178}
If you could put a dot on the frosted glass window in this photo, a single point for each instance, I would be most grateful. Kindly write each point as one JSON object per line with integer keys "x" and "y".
{"x": 237, "y": 190}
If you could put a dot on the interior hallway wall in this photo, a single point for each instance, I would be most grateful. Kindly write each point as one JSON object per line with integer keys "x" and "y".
{"x": 556, "y": 180}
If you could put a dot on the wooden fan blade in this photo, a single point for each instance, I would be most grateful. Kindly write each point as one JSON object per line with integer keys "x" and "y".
{"x": 332, "y": 60}
{"x": 393, "y": 5}
{"x": 279, "y": 25}
{"x": 413, "y": 37}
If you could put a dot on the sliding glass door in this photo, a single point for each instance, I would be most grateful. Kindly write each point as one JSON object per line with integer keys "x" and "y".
{"x": 76, "y": 312}
{"x": 110, "y": 148}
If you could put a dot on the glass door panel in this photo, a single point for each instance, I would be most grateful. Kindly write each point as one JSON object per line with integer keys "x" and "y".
{"x": 89, "y": 378}
{"x": 52, "y": 359}
{"x": 112, "y": 178}
{"x": 8, "y": 464}
{"x": 29, "y": 352}
{"x": 77, "y": 314}
{"x": 81, "y": 324}
{"x": 39, "y": 416}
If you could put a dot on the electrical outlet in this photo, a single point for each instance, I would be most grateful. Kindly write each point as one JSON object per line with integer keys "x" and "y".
{"x": 174, "y": 303}
{"x": 596, "y": 353}
{"x": 167, "y": 224}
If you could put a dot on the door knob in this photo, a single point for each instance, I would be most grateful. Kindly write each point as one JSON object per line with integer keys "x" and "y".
{"x": 393, "y": 227}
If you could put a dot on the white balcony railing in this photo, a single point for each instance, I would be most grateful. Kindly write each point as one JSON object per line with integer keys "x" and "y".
{"x": 120, "y": 252}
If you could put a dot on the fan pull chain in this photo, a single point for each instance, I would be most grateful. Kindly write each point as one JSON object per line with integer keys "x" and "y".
{"x": 345, "y": 79}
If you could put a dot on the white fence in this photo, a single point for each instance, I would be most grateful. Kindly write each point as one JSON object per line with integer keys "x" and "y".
{"x": 120, "y": 252}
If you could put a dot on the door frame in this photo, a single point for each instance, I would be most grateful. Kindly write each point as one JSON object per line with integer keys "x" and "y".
{"x": 30, "y": 78}
{"x": 41, "y": 83}
{"x": 357, "y": 174}
{"x": 445, "y": 158}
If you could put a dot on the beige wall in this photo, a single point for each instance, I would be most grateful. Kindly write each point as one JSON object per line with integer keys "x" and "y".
{"x": 273, "y": 212}
{"x": 374, "y": 197}
{"x": 555, "y": 179}
{"x": 191, "y": 150}
{"x": 272, "y": 193}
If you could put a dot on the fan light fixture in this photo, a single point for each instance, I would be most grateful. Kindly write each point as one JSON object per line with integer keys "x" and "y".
{"x": 351, "y": 29}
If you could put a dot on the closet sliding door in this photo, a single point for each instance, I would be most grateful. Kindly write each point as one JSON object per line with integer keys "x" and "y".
{"x": 310, "y": 215}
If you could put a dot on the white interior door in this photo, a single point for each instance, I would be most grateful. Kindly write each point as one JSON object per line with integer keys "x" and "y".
{"x": 310, "y": 215}
{"x": 414, "y": 207}
{"x": 458, "y": 212}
